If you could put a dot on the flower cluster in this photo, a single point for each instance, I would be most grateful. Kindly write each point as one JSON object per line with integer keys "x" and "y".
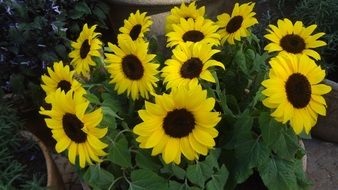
{"x": 180, "y": 99}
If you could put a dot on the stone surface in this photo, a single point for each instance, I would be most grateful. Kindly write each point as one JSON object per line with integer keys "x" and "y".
{"x": 322, "y": 164}
{"x": 327, "y": 127}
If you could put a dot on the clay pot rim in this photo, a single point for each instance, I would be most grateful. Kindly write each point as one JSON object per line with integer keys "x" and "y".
{"x": 148, "y": 2}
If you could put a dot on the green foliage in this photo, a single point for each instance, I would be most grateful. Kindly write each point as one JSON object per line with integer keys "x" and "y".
{"x": 13, "y": 173}
{"x": 98, "y": 178}
{"x": 35, "y": 34}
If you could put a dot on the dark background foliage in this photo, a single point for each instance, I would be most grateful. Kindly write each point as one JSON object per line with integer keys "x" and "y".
{"x": 35, "y": 33}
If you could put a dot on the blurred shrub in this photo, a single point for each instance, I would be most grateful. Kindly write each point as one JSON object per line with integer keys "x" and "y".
{"x": 35, "y": 33}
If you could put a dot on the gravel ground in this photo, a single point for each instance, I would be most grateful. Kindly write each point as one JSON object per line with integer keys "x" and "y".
{"x": 322, "y": 164}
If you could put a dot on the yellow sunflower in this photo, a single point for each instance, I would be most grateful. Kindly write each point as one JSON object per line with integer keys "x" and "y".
{"x": 86, "y": 46}
{"x": 185, "y": 12}
{"x": 198, "y": 30}
{"x": 174, "y": 125}
{"x": 75, "y": 130}
{"x": 131, "y": 68}
{"x": 189, "y": 63}
{"x": 236, "y": 26}
{"x": 293, "y": 90}
{"x": 136, "y": 25}
{"x": 294, "y": 38}
{"x": 60, "y": 77}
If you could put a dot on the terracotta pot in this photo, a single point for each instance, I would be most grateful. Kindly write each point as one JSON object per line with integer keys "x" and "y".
{"x": 54, "y": 179}
{"x": 327, "y": 127}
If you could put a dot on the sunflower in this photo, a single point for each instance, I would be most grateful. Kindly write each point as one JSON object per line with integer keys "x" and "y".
{"x": 136, "y": 25}
{"x": 294, "y": 38}
{"x": 60, "y": 77}
{"x": 86, "y": 46}
{"x": 75, "y": 130}
{"x": 293, "y": 90}
{"x": 131, "y": 68}
{"x": 185, "y": 12}
{"x": 198, "y": 30}
{"x": 174, "y": 125}
{"x": 236, "y": 26}
{"x": 189, "y": 63}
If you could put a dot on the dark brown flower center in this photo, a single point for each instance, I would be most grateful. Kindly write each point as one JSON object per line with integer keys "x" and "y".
{"x": 292, "y": 43}
{"x": 191, "y": 68}
{"x": 72, "y": 127}
{"x": 135, "y": 31}
{"x": 84, "y": 50}
{"x": 298, "y": 90}
{"x": 179, "y": 123}
{"x": 132, "y": 67}
{"x": 64, "y": 85}
{"x": 234, "y": 24}
{"x": 193, "y": 36}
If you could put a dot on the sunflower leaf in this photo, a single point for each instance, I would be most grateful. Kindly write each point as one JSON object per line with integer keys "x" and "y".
{"x": 146, "y": 161}
{"x": 144, "y": 179}
{"x": 218, "y": 180}
{"x": 119, "y": 153}
{"x": 279, "y": 137}
{"x": 199, "y": 173}
{"x": 98, "y": 178}
{"x": 278, "y": 174}
{"x": 249, "y": 153}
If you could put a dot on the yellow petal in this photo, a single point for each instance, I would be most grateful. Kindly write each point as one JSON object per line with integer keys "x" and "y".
{"x": 62, "y": 144}
{"x": 171, "y": 150}
{"x": 72, "y": 152}
{"x": 95, "y": 142}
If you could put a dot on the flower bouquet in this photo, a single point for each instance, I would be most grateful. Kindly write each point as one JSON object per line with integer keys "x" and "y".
{"x": 212, "y": 112}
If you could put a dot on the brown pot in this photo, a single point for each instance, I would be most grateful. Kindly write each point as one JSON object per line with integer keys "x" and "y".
{"x": 327, "y": 127}
{"x": 54, "y": 179}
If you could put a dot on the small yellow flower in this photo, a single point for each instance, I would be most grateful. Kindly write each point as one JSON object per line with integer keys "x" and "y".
{"x": 131, "y": 68}
{"x": 236, "y": 26}
{"x": 294, "y": 92}
{"x": 189, "y": 63}
{"x": 294, "y": 38}
{"x": 85, "y": 48}
{"x": 74, "y": 129}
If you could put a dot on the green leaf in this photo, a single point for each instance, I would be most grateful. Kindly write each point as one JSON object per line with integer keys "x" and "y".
{"x": 199, "y": 173}
{"x": 119, "y": 152}
{"x": 271, "y": 129}
{"x": 178, "y": 172}
{"x": 98, "y": 178}
{"x": 144, "y": 179}
{"x": 303, "y": 182}
{"x": 174, "y": 185}
{"x": 195, "y": 174}
{"x": 242, "y": 130}
{"x": 111, "y": 101}
{"x": 279, "y": 137}
{"x": 240, "y": 60}
{"x": 146, "y": 161}
{"x": 277, "y": 174}
{"x": 83, "y": 8}
{"x": 92, "y": 98}
{"x": 218, "y": 180}
{"x": 211, "y": 159}
{"x": 61, "y": 51}
{"x": 249, "y": 154}
{"x": 110, "y": 112}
